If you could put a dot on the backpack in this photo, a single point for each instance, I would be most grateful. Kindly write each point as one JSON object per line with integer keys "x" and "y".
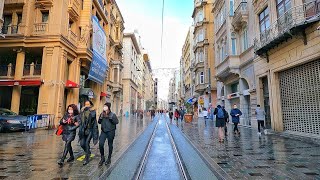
{"x": 220, "y": 114}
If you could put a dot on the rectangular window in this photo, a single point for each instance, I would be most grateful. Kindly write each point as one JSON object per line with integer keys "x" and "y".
{"x": 233, "y": 46}
{"x": 245, "y": 43}
{"x": 283, "y": 6}
{"x": 235, "y": 87}
{"x": 201, "y": 78}
{"x": 231, "y": 7}
{"x": 264, "y": 20}
{"x": 45, "y": 16}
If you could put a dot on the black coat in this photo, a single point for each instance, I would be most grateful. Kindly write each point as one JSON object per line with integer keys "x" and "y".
{"x": 69, "y": 130}
{"x": 108, "y": 122}
{"x": 89, "y": 124}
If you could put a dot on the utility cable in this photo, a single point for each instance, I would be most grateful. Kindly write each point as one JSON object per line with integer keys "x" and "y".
{"x": 162, "y": 31}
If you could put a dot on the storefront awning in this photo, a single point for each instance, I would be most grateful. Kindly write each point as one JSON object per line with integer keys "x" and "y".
{"x": 71, "y": 84}
{"x": 34, "y": 82}
{"x": 103, "y": 94}
{"x": 87, "y": 92}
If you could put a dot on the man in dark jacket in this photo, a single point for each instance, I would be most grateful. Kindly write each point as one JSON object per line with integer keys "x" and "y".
{"x": 226, "y": 120}
{"x": 108, "y": 121}
{"x": 235, "y": 114}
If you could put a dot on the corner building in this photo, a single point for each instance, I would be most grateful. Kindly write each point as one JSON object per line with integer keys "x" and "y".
{"x": 47, "y": 52}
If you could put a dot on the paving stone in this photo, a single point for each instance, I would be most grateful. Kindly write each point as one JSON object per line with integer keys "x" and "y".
{"x": 267, "y": 154}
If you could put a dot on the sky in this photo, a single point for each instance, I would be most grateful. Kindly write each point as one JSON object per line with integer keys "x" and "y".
{"x": 145, "y": 16}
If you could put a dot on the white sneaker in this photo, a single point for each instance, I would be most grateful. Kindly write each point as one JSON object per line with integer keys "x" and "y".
{"x": 265, "y": 131}
{"x": 259, "y": 133}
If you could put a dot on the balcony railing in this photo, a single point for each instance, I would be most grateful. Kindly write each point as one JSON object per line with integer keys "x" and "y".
{"x": 240, "y": 15}
{"x": 292, "y": 22}
{"x": 41, "y": 28}
{"x": 72, "y": 37}
{"x": 11, "y": 29}
{"x": 32, "y": 69}
{"x": 7, "y": 70}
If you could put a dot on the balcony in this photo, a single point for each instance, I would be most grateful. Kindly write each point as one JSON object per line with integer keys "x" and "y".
{"x": 40, "y": 28}
{"x": 291, "y": 23}
{"x": 117, "y": 87}
{"x": 241, "y": 15}
{"x": 118, "y": 44}
{"x": 32, "y": 70}
{"x": 72, "y": 37}
{"x": 112, "y": 17}
{"x": 200, "y": 44}
{"x": 7, "y": 71}
{"x": 9, "y": 3}
{"x": 74, "y": 8}
{"x": 112, "y": 42}
{"x": 198, "y": 65}
{"x": 228, "y": 67}
{"x": 10, "y": 30}
{"x": 200, "y": 88}
{"x": 43, "y": 3}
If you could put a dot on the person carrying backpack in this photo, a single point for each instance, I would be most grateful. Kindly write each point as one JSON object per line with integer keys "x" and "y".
{"x": 220, "y": 121}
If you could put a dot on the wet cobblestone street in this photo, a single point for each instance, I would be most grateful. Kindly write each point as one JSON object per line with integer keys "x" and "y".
{"x": 249, "y": 156}
{"x": 34, "y": 155}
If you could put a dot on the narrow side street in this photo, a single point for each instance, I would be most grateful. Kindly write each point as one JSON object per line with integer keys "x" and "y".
{"x": 35, "y": 155}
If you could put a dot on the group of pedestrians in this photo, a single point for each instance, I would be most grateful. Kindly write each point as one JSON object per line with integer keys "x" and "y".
{"x": 176, "y": 115}
{"x": 222, "y": 117}
{"x": 87, "y": 123}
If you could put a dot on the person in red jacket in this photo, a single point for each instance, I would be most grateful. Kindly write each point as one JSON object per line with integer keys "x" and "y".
{"x": 176, "y": 115}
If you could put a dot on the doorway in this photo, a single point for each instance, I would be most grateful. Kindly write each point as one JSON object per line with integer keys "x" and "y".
{"x": 266, "y": 101}
{"x": 29, "y": 100}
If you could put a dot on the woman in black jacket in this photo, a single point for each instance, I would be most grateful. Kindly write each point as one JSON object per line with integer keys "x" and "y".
{"x": 108, "y": 121}
{"x": 88, "y": 129}
{"x": 70, "y": 123}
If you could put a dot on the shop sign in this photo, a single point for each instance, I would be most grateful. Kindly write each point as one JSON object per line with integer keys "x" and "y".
{"x": 99, "y": 62}
{"x": 201, "y": 100}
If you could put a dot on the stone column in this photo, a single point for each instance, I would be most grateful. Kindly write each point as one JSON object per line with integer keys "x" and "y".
{"x": 16, "y": 91}
{"x": 51, "y": 93}
{"x": 74, "y": 75}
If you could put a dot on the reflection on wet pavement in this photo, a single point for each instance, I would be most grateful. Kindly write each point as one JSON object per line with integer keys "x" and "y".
{"x": 34, "y": 155}
{"x": 249, "y": 156}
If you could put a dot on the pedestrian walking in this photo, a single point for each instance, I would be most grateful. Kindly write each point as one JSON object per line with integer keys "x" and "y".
{"x": 176, "y": 115}
{"x": 260, "y": 118}
{"x": 170, "y": 116}
{"x": 205, "y": 113}
{"x": 210, "y": 111}
{"x": 235, "y": 114}
{"x": 70, "y": 122}
{"x": 182, "y": 112}
{"x": 88, "y": 129}
{"x": 220, "y": 121}
{"x": 226, "y": 120}
{"x": 108, "y": 121}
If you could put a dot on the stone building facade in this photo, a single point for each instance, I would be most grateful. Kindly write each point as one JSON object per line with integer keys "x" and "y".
{"x": 287, "y": 63}
{"x": 234, "y": 57}
{"x": 47, "y": 52}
